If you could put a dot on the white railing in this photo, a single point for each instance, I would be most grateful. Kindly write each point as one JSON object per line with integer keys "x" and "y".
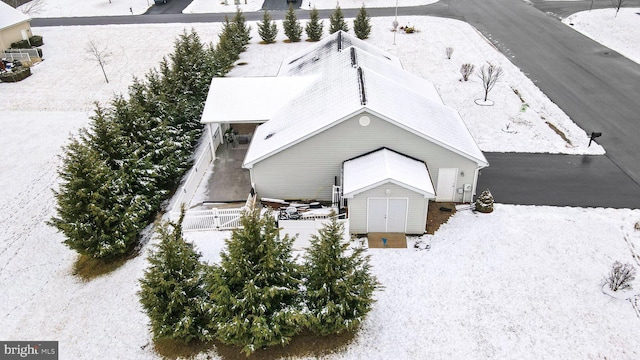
{"x": 212, "y": 219}
{"x": 20, "y": 54}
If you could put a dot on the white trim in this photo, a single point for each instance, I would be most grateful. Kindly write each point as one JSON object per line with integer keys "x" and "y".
{"x": 426, "y": 194}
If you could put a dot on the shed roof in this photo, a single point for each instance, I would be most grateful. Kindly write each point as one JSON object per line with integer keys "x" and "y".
{"x": 384, "y": 166}
{"x": 10, "y": 16}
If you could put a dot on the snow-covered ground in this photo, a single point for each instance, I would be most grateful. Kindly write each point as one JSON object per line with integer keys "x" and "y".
{"x": 620, "y": 33}
{"x": 523, "y": 282}
{"x": 73, "y": 8}
{"x": 224, "y": 6}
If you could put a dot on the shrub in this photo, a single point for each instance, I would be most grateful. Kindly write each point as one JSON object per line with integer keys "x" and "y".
{"x": 16, "y": 74}
{"x": 621, "y": 276}
{"x": 410, "y": 29}
{"x": 36, "y": 40}
{"x": 484, "y": 203}
{"x": 22, "y": 44}
{"x": 466, "y": 70}
{"x": 449, "y": 52}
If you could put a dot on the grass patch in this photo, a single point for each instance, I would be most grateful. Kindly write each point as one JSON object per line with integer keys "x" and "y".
{"x": 304, "y": 344}
{"x": 172, "y": 349}
{"x": 88, "y": 268}
{"x": 559, "y": 132}
{"x": 437, "y": 217}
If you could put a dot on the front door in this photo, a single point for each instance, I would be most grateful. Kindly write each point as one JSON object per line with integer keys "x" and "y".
{"x": 387, "y": 214}
{"x": 446, "y": 188}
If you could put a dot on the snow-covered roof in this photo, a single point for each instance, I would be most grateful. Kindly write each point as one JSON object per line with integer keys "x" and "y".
{"x": 10, "y": 16}
{"x": 384, "y": 166}
{"x": 352, "y": 80}
{"x": 228, "y": 98}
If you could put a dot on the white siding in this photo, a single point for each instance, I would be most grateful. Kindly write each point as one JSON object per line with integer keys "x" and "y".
{"x": 416, "y": 216}
{"x": 307, "y": 169}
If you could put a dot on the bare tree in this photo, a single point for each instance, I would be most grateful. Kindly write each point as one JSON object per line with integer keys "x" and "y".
{"x": 28, "y": 7}
{"x": 489, "y": 75}
{"x": 621, "y": 276}
{"x": 100, "y": 55}
{"x": 617, "y": 4}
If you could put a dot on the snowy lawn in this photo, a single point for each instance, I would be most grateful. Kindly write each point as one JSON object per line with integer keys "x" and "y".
{"x": 620, "y": 33}
{"x": 523, "y": 282}
{"x": 73, "y": 8}
{"x": 223, "y": 6}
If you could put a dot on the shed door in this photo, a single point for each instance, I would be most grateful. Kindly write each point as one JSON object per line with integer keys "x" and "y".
{"x": 446, "y": 184}
{"x": 397, "y": 215}
{"x": 387, "y": 214}
{"x": 376, "y": 215}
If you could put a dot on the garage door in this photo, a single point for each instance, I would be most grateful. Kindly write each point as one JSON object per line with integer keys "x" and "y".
{"x": 387, "y": 214}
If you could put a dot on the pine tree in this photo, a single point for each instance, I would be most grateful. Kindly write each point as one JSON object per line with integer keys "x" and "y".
{"x": 484, "y": 203}
{"x": 291, "y": 25}
{"x": 256, "y": 288}
{"x": 314, "y": 26}
{"x": 267, "y": 29}
{"x": 242, "y": 30}
{"x": 338, "y": 282}
{"x": 361, "y": 24}
{"x": 172, "y": 289}
{"x": 336, "y": 21}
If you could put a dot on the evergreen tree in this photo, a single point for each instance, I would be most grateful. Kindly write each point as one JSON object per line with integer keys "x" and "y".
{"x": 256, "y": 288}
{"x": 336, "y": 21}
{"x": 223, "y": 60}
{"x": 267, "y": 29}
{"x": 243, "y": 31}
{"x": 361, "y": 24}
{"x": 172, "y": 289}
{"x": 291, "y": 25}
{"x": 314, "y": 26}
{"x": 484, "y": 203}
{"x": 96, "y": 211}
{"x": 338, "y": 282}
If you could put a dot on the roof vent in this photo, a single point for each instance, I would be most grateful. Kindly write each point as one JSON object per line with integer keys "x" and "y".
{"x": 339, "y": 40}
{"x": 363, "y": 95}
{"x": 269, "y": 135}
{"x": 354, "y": 62}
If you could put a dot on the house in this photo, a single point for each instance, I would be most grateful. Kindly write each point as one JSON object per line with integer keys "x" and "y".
{"x": 344, "y": 122}
{"x": 14, "y": 26}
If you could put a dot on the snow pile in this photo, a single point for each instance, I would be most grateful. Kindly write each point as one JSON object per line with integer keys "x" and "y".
{"x": 224, "y": 6}
{"x": 73, "y": 8}
{"x": 620, "y": 33}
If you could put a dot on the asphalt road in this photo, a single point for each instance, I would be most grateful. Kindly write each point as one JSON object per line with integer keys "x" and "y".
{"x": 171, "y": 7}
{"x": 597, "y": 87}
